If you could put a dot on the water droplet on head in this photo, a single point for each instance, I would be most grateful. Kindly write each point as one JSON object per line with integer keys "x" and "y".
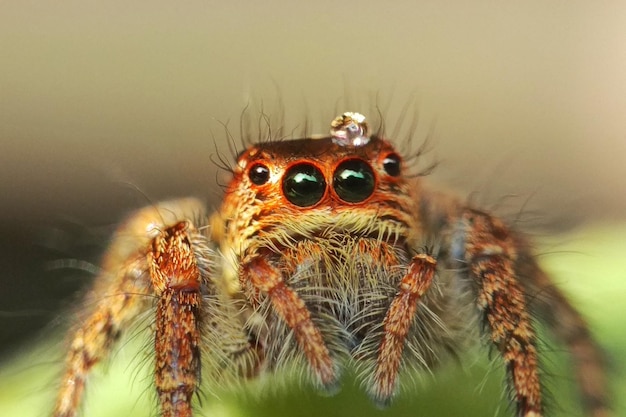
{"x": 350, "y": 129}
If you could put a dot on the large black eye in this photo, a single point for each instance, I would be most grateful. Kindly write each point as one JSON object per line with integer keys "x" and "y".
{"x": 391, "y": 164}
{"x": 259, "y": 174}
{"x": 353, "y": 180}
{"x": 304, "y": 185}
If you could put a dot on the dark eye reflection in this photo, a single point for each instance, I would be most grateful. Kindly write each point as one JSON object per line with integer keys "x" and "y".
{"x": 259, "y": 174}
{"x": 354, "y": 181}
{"x": 304, "y": 185}
{"x": 391, "y": 164}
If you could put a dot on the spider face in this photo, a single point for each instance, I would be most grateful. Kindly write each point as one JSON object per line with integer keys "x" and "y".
{"x": 326, "y": 172}
{"x": 330, "y": 176}
{"x": 314, "y": 177}
{"x": 326, "y": 254}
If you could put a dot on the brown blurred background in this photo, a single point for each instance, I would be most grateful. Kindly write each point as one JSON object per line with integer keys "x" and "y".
{"x": 108, "y": 106}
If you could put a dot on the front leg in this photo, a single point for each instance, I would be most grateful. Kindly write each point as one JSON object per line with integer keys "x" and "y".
{"x": 490, "y": 256}
{"x": 177, "y": 284}
{"x": 289, "y": 306}
{"x": 397, "y": 323}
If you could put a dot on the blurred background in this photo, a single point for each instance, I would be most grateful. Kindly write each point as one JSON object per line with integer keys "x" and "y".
{"x": 108, "y": 106}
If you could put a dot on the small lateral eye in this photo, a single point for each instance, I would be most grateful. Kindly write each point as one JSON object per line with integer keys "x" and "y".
{"x": 304, "y": 185}
{"x": 259, "y": 174}
{"x": 354, "y": 180}
{"x": 391, "y": 164}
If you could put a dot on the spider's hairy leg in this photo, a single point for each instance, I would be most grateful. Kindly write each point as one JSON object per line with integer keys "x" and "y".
{"x": 290, "y": 307}
{"x": 490, "y": 255}
{"x": 121, "y": 292}
{"x": 397, "y": 323}
{"x": 570, "y": 328}
{"x": 92, "y": 340}
{"x": 176, "y": 279}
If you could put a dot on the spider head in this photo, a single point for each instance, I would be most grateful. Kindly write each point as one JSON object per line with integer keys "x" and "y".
{"x": 348, "y": 180}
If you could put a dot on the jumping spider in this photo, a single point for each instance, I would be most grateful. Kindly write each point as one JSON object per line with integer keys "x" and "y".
{"x": 326, "y": 253}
